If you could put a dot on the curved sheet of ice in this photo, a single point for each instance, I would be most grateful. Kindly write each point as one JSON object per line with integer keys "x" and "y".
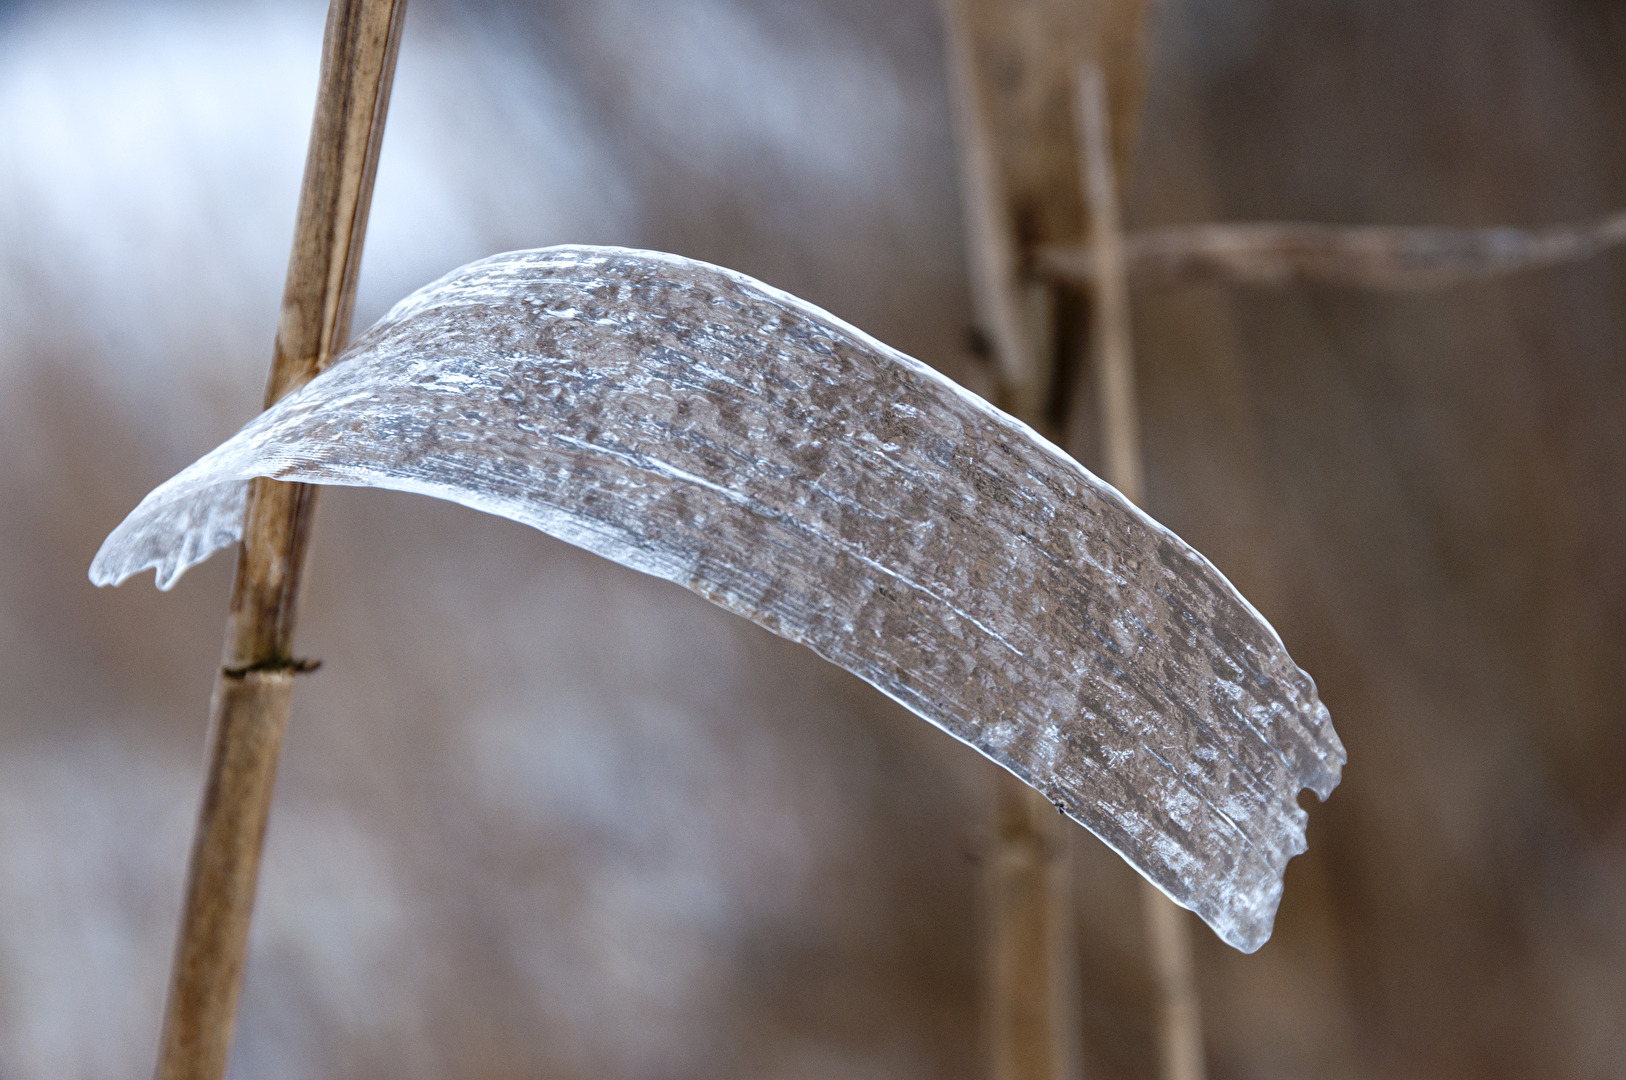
{"x": 694, "y": 424}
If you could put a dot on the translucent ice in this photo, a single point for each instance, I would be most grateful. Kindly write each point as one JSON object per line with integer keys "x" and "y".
{"x": 694, "y": 424}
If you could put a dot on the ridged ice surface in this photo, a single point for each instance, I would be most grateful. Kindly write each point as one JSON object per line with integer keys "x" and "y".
{"x": 694, "y": 424}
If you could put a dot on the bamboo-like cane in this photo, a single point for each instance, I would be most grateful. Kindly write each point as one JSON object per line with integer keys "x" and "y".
{"x": 250, "y": 707}
{"x": 1113, "y": 347}
{"x": 1385, "y": 257}
{"x": 993, "y": 260}
{"x": 1030, "y": 989}
{"x": 1029, "y": 992}
{"x": 1168, "y": 931}
{"x": 1008, "y": 61}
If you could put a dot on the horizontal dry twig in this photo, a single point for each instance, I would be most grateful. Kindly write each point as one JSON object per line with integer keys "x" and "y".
{"x": 1391, "y": 257}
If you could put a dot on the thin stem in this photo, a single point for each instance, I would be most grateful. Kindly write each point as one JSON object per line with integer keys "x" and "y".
{"x": 1168, "y": 939}
{"x": 1114, "y": 359}
{"x": 1032, "y": 1000}
{"x": 250, "y": 707}
{"x": 1030, "y": 1012}
{"x": 1180, "y": 1027}
{"x": 992, "y": 252}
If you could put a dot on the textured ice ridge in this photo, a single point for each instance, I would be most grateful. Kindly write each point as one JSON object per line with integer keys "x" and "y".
{"x": 694, "y": 424}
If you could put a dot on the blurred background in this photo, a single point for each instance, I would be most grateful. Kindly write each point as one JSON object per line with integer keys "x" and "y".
{"x": 539, "y": 816}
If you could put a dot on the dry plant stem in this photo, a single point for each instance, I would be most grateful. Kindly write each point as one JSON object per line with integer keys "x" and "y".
{"x": 993, "y": 260}
{"x": 252, "y": 691}
{"x": 1168, "y": 934}
{"x": 1280, "y": 254}
{"x": 1032, "y": 991}
{"x": 1029, "y": 992}
{"x": 1010, "y": 72}
{"x": 1114, "y": 360}
{"x": 1180, "y": 1027}
{"x": 1011, "y": 65}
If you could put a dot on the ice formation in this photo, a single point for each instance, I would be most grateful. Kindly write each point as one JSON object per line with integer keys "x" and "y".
{"x": 694, "y": 424}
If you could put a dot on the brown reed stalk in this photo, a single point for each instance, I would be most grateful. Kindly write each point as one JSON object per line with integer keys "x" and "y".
{"x": 1168, "y": 932}
{"x": 1029, "y": 995}
{"x": 1010, "y": 72}
{"x": 993, "y": 255}
{"x": 249, "y": 712}
{"x": 1279, "y": 254}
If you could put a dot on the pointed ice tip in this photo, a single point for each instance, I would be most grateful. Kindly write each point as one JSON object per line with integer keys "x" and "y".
{"x": 104, "y": 570}
{"x": 115, "y": 563}
{"x": 172, "y": 533}
{"x": 1252, "y": 943}
{"x": 165, "y": 574}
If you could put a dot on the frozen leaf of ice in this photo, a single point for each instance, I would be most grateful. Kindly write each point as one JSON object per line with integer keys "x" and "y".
{"x": 694, "y": 424}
